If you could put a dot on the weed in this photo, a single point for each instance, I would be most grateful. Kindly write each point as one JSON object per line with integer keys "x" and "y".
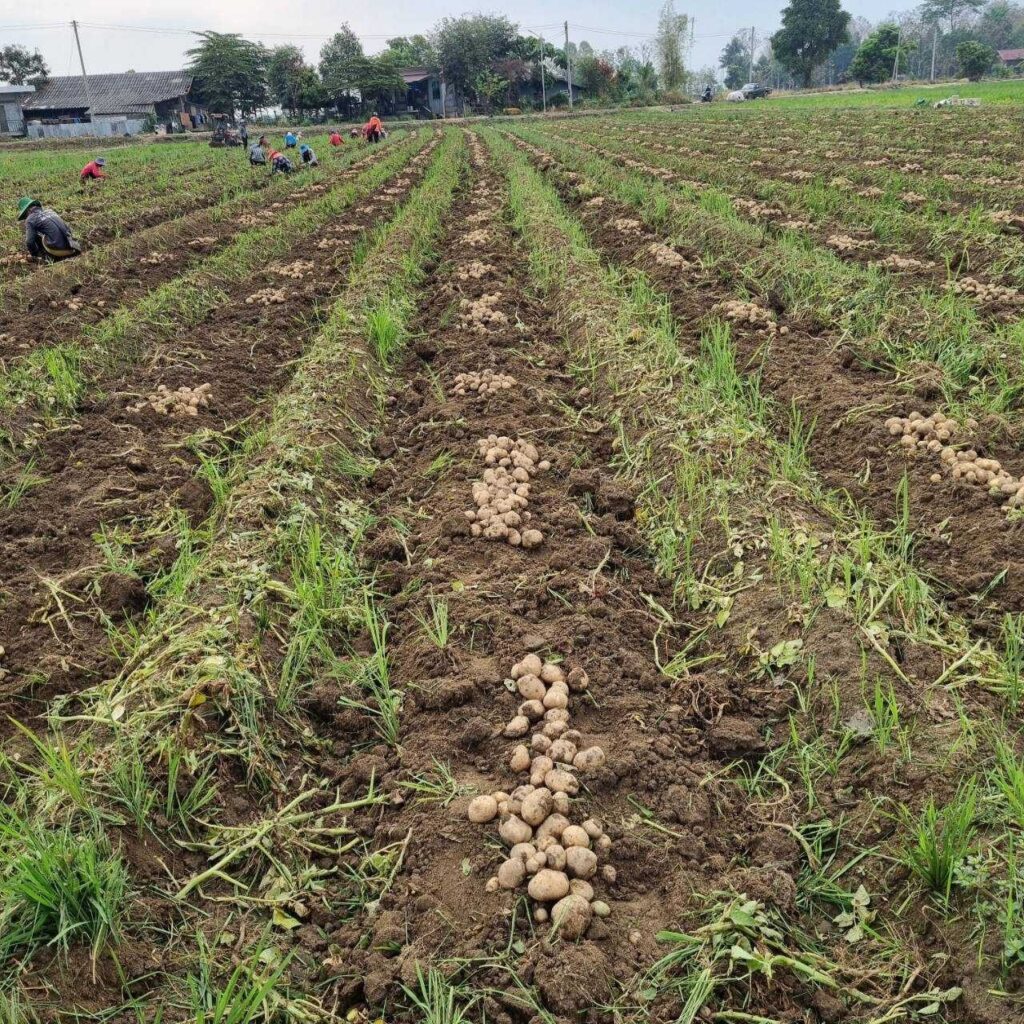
{"x": 942, "y": 839}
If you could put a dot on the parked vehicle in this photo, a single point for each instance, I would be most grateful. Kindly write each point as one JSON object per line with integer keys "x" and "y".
{"x": 755, "y": 91}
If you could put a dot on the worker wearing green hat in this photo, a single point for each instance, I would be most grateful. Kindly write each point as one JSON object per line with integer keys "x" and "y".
{"x": 47, "y": 237}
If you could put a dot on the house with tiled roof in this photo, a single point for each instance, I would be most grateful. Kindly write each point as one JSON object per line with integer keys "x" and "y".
{"x": 1011, "y": 58}
{"x": 121, "y": 104}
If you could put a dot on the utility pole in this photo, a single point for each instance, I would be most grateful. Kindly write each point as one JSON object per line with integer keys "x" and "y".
{"x": 81, "y": 61}
{"x": 568, "y": 64}
{"x": 543, "y": 88}
{"x": 750, "y": 68}
{"x": 935, "y": 39}
{"x": 896, "y": 62}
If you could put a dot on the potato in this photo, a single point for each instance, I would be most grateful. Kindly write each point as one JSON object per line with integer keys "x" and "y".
{"x": 532, "y": 664}
{"x": 511, "y": 873}
{"x": 514, "y": 830}
{"x": 523, "y": 851}
{"x": 556, "y": 698}
{"x": 536, "y": 807}
{"x": 531, "y": 709}
{"x": 581, "y": 888}
{"x": 492, "y": 885}
{"x": 577, "y": 680}
{"x": 519, "y": 726}
{"x": 562, "y": 803}
{"x": 552, "y": 673}
{"x": 554, "y": 729}
{"x": 556, "y": 857}
{"x": 556, "y": 715}
{"x": 592, "y": 827}
{"x": 548, "y": 885}
{"x": 609, "y": 874}
{"x": 580, "y": 862}
{"x": 540, "y": 914}
{"x": 574, "y": 835}
{"x": 560, "y": 781}
{"x": 570, "y": 917}
{"x": 555, "y": 825}
{"x": 600, "y": 908}
{"x": 604, "y": 843}
{"x": 535, "y": 863}
{"x": 538, "y": 741}
{"x": 482, "y": 809}
{"x": 562, "y": 751}
{"x": 589, "y": 759}
{"x": 520, "y": 760}
{"x": 532, "y": 538}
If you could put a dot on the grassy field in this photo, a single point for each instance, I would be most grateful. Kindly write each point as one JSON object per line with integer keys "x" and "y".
{"x": 1007, "y": 91}
{"x": 537, "y": 572}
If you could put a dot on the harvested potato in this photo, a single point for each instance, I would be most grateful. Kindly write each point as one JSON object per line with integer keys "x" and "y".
{"x": 482, "y": 809}
{"x": 514, "y": 830}
{"x": 570, "y": 916}
{"x": 512, "y": 873}
{"x": 548, "y": 885}
{"x": 580, "y": 862}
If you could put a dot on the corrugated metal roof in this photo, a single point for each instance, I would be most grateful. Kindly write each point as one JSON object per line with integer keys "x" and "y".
{"x": 16, "y": 90}
{"x": 111, "y": 94}
{"x": 1010, "y": 54}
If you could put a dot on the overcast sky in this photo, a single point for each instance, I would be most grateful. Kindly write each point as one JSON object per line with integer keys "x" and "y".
{"x": 307, "y": 23}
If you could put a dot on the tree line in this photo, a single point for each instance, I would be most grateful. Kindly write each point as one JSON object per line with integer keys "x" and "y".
{"x": 821, "y": 44}
{"x": 486, "y": 62}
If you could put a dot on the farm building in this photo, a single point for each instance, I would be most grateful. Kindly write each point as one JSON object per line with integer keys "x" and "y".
{"x": 11, "y": 99}
{"x": 1011, "y": 58}
{"x": 427, "y": 95}
{"x": 122, "y": 104}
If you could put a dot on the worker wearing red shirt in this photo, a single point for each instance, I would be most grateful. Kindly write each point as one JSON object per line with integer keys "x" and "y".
{"x": 373, "y": 129}
{"x": 93, "y": 169}
{"x": 336, "y": 139}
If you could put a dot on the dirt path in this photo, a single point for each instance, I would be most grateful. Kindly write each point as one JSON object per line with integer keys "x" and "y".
{"x": 125, "y": 464}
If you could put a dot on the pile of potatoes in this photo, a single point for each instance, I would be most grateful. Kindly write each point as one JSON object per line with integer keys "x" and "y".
{"x": 935, "y": 434}
{"x": 474, "y": 271}
{"x": 666, "y": 255}
{"x": 154, "y": 259}
{"x": 895, "y": 262}
{"x": 481, "y": 315}
{"x": 757, "y": 210}
{"x": 846, "y": 243}
{"x": 184, "y": 401}
{"x": 267, "y": 297}
{"x": 502, "y": 494}
{"x": 871, "y": 192}
{"x": 296, "y": 271}
{"x": 983, "y": 292}
{"x": 596, "y": 201}
{"x": 627, "y": 225}
{"x": 202, "y": 241}
{"x": 480, "y": 236}
{"x": 750, "y": 313}
{"x": 483, "y": 382}
{"x": 556, "y": 860}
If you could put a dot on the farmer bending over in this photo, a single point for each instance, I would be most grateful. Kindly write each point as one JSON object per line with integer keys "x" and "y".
{"x": 280, "y": 164}
{"x": 308, "y": 156}
{"x": 47, "y": 237}
{"x": 93, "y": 170}
{"x": 290, "y": 141}
{"x": 336, "y": 139}
{"x": 374, "y": 129}
{"x": 257, "y": 157}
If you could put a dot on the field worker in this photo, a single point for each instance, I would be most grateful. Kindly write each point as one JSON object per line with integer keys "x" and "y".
{"x": 374, "y": 128}
{"x": 263, "y": 141}
{"x": 336, "y": 139}
{"x": 244, "y": 135}
{"x": 279, "y": 163}
{"x": 356, "y": 132}
{"x": 308, "y": 156}
{"x": 290, "y": 141}
{"x": 257, "y": 156}
{"x": 47, "y": 237}
{"x": 93, "y": 170}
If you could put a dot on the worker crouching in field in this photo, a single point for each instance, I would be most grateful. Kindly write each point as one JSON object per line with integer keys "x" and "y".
{"x": 257, "y": 155}
{"x": 308, "y": 156}
{"x": 93, "y": 170}
{"x": 47, "y": 237}
{"x": 290, "y": 141}
{"x": 280, "y": 164}
{"x": 336, "y": 139}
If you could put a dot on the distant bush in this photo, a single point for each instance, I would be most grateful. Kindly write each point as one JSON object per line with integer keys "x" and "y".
{"x": 975, "y": 59}
{"x": 672, "y": 96}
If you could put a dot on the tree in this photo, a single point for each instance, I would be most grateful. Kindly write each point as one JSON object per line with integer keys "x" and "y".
{"x": 876, "y": 57}
{"x": 468, "y": 47}
{"x": 18, "y": 65}
{"x": 975, "y": 59}
{"x": 1001, "y": 25}
{"x": 230, "y": 72}
{"x": 669, "y": 44}
{"x": 411, "y": 52}
{"x": 936, "y": 10}
{"x": 339, "y": 60}
{"x": 735, "y": 60}
{"x": 285, "y": 67}
{"x": 811, "y": 30}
